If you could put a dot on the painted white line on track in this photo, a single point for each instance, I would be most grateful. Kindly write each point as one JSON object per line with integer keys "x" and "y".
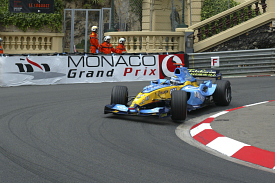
{"x": 256, "y": 104}
{"x": 219, "y": 114}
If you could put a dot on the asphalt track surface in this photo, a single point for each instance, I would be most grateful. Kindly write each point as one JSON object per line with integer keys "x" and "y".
{"x": 59, "y": 134}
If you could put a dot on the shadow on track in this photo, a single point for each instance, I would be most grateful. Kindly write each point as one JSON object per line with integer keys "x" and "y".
{"x": 143, "y": 119}
{"x": 165, "y": 121}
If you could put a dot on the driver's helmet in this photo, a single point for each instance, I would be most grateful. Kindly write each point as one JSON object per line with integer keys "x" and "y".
{"x": 174, "y": 80}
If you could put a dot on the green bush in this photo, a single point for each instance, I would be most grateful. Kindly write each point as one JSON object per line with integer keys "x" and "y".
{"x": 213, "y": 7}
{"x": 32, "y": 20}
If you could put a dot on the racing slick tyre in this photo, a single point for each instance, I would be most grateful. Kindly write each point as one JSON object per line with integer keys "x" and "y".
{"x": 178, "y": 105}
{"x": 222, "y": 95}
{"x": 119, "y": 95}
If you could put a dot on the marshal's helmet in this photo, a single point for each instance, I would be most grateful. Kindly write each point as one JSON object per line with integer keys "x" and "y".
{"x": 94, "y": 28}
{"x": 107, "y": 37}
{"x": 121, "y": 40}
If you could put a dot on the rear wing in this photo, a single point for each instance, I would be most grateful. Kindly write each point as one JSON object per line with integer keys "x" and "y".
{"x": 206, "y": 73}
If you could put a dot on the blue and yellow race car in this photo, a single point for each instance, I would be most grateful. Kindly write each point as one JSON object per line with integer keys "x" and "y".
{"x": 172, "y": 97}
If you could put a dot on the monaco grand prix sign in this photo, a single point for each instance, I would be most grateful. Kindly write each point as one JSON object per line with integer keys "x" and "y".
{"x": 45, "y": 70}
{"x": 112, "y": 68}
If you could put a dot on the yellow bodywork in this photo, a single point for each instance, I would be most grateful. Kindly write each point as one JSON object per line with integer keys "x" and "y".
{"x": 159, "y": 94}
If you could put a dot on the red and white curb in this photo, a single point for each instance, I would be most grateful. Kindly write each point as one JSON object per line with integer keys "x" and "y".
{"x": 203, "y": 133}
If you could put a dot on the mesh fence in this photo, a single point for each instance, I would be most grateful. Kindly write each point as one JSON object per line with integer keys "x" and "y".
{"x": 77, "y": 27}
{"x": 67, "y": 30}
{"x": 106, "y": 14}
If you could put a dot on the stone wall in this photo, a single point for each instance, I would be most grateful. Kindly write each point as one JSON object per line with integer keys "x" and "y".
{"x": 260, "y": 38}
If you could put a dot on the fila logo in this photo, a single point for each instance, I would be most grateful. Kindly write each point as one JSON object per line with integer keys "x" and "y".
{"x": 29, "y": 67}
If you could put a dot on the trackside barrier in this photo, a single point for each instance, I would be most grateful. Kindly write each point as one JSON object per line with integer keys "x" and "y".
{"x": 45, "y": 69}
{"x": 236, "y": 62}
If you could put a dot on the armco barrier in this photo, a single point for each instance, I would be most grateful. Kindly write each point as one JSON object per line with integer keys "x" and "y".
{"x": 43, "y": 69}
{"x": 236, "y": 62}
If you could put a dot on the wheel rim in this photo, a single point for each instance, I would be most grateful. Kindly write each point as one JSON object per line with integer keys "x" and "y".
{"x": 228, "y": 94}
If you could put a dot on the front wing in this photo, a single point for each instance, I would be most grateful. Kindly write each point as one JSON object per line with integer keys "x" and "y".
{"x": 122, "y": 109}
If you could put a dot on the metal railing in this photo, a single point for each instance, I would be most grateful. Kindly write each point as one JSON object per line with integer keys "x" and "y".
{"x": 236, "y": 62}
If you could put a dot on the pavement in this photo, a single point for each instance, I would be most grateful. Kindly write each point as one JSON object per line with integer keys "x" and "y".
{"x": 245, "y": 133}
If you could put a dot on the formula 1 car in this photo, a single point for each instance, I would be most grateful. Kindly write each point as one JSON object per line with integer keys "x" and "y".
{"x": 173, "y": 97}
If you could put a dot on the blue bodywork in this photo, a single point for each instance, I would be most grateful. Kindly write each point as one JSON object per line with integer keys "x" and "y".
{"x": 160, "y": 90}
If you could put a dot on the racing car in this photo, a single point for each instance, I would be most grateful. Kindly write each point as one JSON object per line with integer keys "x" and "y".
{"x": 174, "y": 96}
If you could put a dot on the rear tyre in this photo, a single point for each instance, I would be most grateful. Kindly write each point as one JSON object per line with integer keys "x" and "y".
{"x": 222, "y": 95}
{"x": 119, "y": 95}
{"x": 178, "y": 105}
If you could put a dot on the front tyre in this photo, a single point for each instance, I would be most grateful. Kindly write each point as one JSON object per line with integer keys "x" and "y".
{"x": 222, "y": 95}
{"x": 119, "y": 95}
{"x": 178, "y": 105}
